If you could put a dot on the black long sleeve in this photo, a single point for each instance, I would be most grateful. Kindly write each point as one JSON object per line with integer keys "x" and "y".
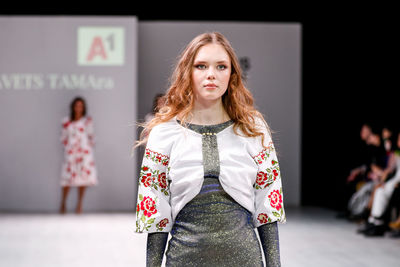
{"x": 269, "y": 237}
{"x": 156, "y": 243}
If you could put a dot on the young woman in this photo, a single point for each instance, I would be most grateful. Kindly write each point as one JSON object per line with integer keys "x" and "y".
{"x": 210, "y": 172}
{"x": 77, "y": 137}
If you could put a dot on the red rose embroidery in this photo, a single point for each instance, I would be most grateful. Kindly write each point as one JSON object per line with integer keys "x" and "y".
{"x": 275, "y": 172}
{"x": 261, "y": 178}
{"x": 137, "y": 207}
{"x": 163, "y": 222}
{"x": 275, "y": 199}
{"x": 162, "y": 179}
{"x": 147, "y": 179}
{"x": 262, "y": 218}
{"x": 264, "y": 154}
{"x": 157, "y": 157}
{"x": 148, "y": 205}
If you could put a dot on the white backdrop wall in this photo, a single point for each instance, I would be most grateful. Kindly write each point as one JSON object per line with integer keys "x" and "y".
{"x": 273, "y": 55}
{"x": 44, "y": 65}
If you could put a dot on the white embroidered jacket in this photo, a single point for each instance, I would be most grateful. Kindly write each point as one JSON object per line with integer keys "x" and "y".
{"x": 172, "y": 174}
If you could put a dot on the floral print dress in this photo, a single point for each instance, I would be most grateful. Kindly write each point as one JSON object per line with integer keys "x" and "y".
{"x": 78, "y": 168}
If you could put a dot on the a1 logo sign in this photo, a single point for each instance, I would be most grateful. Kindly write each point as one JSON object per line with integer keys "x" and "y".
{"x": 101, "y": 46}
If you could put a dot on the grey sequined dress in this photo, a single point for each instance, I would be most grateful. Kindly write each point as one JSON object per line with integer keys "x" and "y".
{"x": 213, "y": 229}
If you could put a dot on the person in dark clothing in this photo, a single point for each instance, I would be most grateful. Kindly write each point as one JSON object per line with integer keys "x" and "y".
{"x": 380, "y": 201}
{"x": 373, "y": 159}
{"x": 378, "y": 154}
{"x": 357, "y": 174}
{"x": 366, "y": 154}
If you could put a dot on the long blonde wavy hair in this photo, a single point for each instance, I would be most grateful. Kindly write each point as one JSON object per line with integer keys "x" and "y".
{"x": 179, "y": 99}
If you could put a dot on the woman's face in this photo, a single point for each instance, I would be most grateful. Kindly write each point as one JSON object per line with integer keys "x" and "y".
{"x": 365, "y": 132}
{"x": 78, "y": 108}
{"x": 386, "y": 133}
{"x": 211, "y": 73}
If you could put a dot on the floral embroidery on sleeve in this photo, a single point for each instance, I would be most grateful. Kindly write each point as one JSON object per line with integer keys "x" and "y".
{"x": 162, "y": 224}
{"x": 154, "y": 177}
{"x": 153, "y": 212}
{"x": 275, "y": 199}
{"x": 147, "y": 207}
{"x": 263, "y": 218}
{"x": 156, "y": 157}
{"x": 268, "y": 187}
{"x": 267, "y": 175}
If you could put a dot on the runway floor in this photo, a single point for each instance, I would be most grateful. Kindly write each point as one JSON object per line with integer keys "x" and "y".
{"x": 311, "y": 237}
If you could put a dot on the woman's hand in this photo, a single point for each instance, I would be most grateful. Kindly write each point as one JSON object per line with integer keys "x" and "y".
{"x": 376, "y": 173}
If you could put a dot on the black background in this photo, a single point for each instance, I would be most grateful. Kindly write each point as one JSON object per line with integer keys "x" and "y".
{"x": 348, "y": 65}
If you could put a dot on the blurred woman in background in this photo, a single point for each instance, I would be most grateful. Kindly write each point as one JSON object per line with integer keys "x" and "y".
{"x": 77, "y": 137}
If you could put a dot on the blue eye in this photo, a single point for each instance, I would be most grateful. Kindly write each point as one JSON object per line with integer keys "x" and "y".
{"x": 202, "y": 67}
{"x": 198, "y": 66}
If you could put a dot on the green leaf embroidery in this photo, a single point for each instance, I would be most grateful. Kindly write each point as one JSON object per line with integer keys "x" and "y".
{"x": 276, "y": 214}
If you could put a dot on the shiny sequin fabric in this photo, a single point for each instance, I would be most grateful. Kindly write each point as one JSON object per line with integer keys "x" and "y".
{"x": 269, "y": 237}
{"x": 213, "y": 229}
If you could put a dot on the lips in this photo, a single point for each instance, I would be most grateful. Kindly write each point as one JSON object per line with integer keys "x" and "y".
{"x": 210, "y": 85}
